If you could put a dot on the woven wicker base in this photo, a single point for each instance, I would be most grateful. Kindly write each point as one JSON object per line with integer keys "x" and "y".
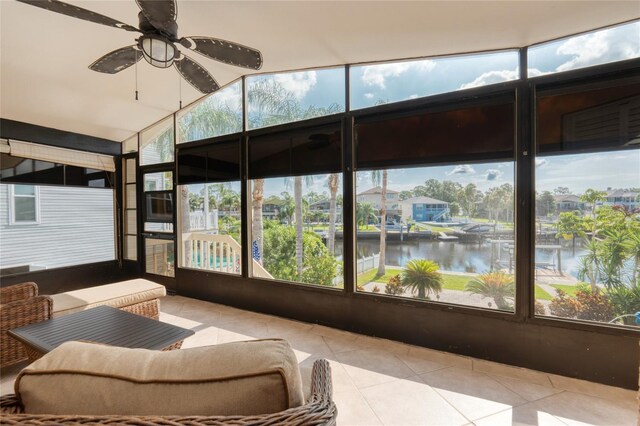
{"x": 148, "y": 308}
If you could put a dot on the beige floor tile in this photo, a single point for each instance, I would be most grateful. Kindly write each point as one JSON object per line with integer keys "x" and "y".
{"x": 309, "y": 344}
{"x": 523, "y": 415}
{"x": 278, "y": 327}
{"x": 421, "y": 361}
{"x": 589, "y": 388}
{"x": 474, "y": 394}
{"x": 411, "y": 402}
{"x": 180, "y": 321}
{"x": 527, "y": 390}
{"x": 444, "y": 358}
{"x": 368, "y": 367}
{"x": 347, "y": 342}
{"x": 495, "y": 368}
{"x": 579, "y": 409}
{"x": 340, "y": 379}
{"x": 353, "y": 410}
{"x": 205, "y": 337}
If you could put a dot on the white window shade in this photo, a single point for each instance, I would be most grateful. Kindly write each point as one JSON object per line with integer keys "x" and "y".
{"x": 62, "y": 156}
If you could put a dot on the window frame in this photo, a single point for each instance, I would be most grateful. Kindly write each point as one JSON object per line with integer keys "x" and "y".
{"x": 12, "y": 205}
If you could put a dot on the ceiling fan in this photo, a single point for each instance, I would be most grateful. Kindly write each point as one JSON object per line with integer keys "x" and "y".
{"x": 158, "y": 43}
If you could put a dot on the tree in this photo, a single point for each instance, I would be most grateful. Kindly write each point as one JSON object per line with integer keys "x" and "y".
{"x": 404, "y": 195}
{"x": 297, "y": 194}
{"x": 570, "y": 225}
{"x": 376, "y": 177}
{"x": 333, "y": 182}
{"x": 562, "y": 190}
{"x": 454, "y": 209}
{"x": 422, "y": 275}
{"x": 365, "y": 213}
{"x": 468, "y": 198}
{"x": 545, "y": 204}
{"x": 319, "y": 266}
{"x": 496, "y": 285}
{"x": 592, "y": 196}
{"x": 185, "y": 198}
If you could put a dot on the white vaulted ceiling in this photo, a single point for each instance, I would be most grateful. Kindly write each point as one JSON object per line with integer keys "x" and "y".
{"x": 44, "y": 55}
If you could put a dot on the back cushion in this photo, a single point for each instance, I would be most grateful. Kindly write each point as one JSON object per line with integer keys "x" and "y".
{"x": 242, "y": 378}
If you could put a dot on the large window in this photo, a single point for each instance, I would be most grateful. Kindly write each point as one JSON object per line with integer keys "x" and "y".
{"x": 211, "y": 221}
{"x": 585, "y": 50}
{"x": 286, "y": 97}
{"x": 65, "y": 226}
{"x": 444, "y": 232}
{"x": 218, "y": 114}
{"x": 588, "y": 202}
{"x": 297, "y": 229}
{"x": 378, "y": 84}
{"x": 449, "y": 233}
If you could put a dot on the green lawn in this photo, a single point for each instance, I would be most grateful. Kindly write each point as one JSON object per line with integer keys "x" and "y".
{"x": 433, "y": 228}
{"x": 455, "y": 282}
{"x": 541, "y": 294}
{"x": 451, "y": 282}
{"x": 569, "y": 289}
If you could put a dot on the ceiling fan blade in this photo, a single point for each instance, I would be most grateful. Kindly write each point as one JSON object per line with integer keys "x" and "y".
{"x": 161, "y": 14}
{"x": 225, "y": 51}
{"x": 116, "y": 61}
{"x": 78, "y": 12}
{"x": 196, "y": 75}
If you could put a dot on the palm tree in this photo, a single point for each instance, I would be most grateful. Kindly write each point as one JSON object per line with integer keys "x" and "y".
{"x": 365, "y": 214}
{"x": 376, "y": 177}
{"x": 497, "y": 285}
{"x": 186, "y": 223}
{"x": 257, "y": 195}
{"x": 333, "y": 182}
{"x": 422, "y": 275}
{"x": 589, "y": 264}
{"x": 592, "y": 196}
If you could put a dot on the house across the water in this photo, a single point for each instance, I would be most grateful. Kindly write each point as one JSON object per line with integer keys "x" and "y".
{"x": 425, "y": 209}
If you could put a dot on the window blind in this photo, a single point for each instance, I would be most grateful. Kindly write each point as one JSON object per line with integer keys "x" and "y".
{"x": 60, "y": 155}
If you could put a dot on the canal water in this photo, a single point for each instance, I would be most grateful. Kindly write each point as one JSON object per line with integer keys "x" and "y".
{"x": 456, "y": 256}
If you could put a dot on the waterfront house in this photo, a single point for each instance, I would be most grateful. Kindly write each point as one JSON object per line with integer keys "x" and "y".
{"x": 568, "y": 203}
{"x": 425, "y": 209}
{"x": 622, "y": 197}
{"x": 373, "y": 197}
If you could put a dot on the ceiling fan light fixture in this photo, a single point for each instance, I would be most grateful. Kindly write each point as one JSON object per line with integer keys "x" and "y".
{"x": 157, "y": 50}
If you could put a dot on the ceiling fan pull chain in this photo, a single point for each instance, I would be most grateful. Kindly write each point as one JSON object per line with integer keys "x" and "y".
{"x": 180, "y": 89}
{"x": 136, "y": 75}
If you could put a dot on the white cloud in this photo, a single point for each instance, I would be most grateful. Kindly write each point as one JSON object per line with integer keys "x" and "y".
{"x": 603, "y": 46}
{"x": 493, "y": 174}
{"x": 368, "y": 95}
{"x": 540, "y": 162}
{"x": 376, "y": 75}
{"x": 414, "y": 96}
{"x": 491, "y": 77}
{"x": 298, "y": 83}
{"x": 463, "y": 169}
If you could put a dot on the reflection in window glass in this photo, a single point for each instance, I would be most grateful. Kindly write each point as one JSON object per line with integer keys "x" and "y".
{"x": 156, "y": 143}
{"x": 594, "y": 48}
{"x": 306, "y": 250}
{"x": 211, "y": 221}
{"x": 216, "y": 115}
{"x": 392, "y": 82}
{"x": 448, "y": 233}
{"x": 130, "y": 145}
{"x": 159, "y": 257}
{"x": 286, "y": 97}
{"x": 159, "y": 181}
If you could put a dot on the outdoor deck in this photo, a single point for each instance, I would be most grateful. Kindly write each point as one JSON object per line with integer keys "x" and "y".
{"x": 382, "y": 382}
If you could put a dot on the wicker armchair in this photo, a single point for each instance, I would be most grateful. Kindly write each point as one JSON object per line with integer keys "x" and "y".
{"x": 319, "y": 410}
{"x": 19, "y": 305}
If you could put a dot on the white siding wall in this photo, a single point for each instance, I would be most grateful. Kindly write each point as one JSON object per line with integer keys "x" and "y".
{"x": 76, "y": 227}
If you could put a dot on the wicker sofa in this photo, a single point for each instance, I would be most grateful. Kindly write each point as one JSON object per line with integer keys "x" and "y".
{"x": 242, "y": 377}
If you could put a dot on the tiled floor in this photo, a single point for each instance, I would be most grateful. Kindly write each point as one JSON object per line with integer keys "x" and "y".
{"x": 384, "y": 382}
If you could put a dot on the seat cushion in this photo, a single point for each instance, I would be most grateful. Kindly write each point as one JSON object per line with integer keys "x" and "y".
{"x": 241, "y": 378}
{"x": 117, "y": 295}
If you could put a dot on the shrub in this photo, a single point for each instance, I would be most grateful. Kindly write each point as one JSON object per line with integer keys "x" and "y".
{"x": 394, "y": 287}
{"x": 496, "y": 285}
{"x": 422, "y": 275}
{"x": 540, "y": 309}
{"x": 564, "y": 306}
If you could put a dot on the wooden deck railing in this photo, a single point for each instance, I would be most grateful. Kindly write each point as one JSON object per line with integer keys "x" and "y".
{"x": 215, "y": 252}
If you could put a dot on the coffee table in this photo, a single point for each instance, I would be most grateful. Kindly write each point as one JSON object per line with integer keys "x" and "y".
{"x": 102, "y": 324}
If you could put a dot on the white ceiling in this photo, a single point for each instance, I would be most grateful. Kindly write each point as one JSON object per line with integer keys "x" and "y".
{"x": 44, "y": 56}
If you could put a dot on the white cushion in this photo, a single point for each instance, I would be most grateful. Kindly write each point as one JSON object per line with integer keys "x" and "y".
{"x": 123, "y": 293}
{"x": 240, "y": 378}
